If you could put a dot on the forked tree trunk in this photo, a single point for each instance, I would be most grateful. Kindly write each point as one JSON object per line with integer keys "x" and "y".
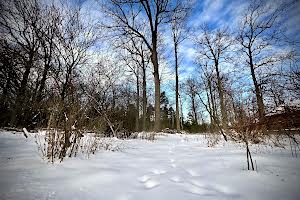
{"x": 249, "y": 157}
{"x": 213, "y": 105}
{"x": 221, "y": 96}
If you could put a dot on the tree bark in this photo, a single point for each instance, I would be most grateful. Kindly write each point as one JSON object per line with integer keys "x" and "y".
{"x": 194, "y": 108}
{"x": 154, "y": 59}
{"x": 258, "y": 94}
{"x": 137, "y": 101}
{"x": 213, "y": 106}
{"x": 177, "y": 86}
{"x": 43, "y": 83}
{"x": 21, "y": 92}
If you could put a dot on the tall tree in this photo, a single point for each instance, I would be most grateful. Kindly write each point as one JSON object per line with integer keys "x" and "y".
{"x": 179, "y": 35}
{"x": 140, "y": 58}
{"x": 19, "y": 21}
{"x": 213, "y": 46}
{"x": 143, "y": 19}
{"x": 259, "y": 31}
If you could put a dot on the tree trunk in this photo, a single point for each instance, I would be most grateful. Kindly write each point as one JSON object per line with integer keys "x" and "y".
{"x": 177, "y": 88}
{"x": 43, "y": 83}
{"x": 144, "y": 98}
{"x": 194, "y": 109}
{"x": 21, "y": 93}
{"x": 137, "y": 101}
{"x": 213, "y": 106}
{"x": 181, "y": 112}
{"x": 221, "y": 96}
{"x": 210, "y": 111}
{"x": 154, "y": 59}
{"x": 259, "y": 98}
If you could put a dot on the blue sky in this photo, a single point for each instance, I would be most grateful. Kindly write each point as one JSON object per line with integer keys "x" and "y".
{"x": 217, "y": 14}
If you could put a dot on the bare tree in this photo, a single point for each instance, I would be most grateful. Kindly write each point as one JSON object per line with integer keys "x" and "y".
{"x": 191, "y": 91}
{"x": 259, "y": 31}
{"x": 179, "y": 35}
{"x": 128, "y": 18}
{"x": 19, "y": 19}
{"x": 208, "y": 79}
{"x": 214, "y": 47}
{"x": 138, "y": 60}
{"x": 48, "y": 35}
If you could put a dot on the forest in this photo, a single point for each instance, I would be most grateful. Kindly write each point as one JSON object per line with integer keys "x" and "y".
{"x": 119, "y": 67}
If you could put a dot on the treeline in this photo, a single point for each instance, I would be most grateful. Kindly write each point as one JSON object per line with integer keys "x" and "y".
{"x": 56, "y": 70}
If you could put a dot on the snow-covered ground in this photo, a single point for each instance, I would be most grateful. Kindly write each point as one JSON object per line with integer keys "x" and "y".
{"x": 173, "y": 167}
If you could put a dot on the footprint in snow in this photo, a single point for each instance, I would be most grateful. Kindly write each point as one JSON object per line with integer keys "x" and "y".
{"x": 176, "y": 179}
{"x": 173, "y": 165}
{"x": 158, "y": 171}
{"x": 144, "y": 178}
{"x": 197, "y": 183}
{"x": 197, "y": 190}
{"x": 148, "y": 183}
{"x": 151, "y": 184}
{"x": 172, "y": 160}
{"x": 192, "y": 172}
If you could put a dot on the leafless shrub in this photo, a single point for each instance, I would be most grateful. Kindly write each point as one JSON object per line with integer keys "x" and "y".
{"x": 51, "y": 144}
{"x": 147, "y": 136}
{"x": 212, "y": 139}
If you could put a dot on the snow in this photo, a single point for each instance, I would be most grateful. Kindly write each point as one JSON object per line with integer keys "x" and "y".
{"x": 179, "y": 167}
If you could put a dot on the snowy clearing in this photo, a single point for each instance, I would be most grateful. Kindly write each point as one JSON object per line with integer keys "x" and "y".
{"x": 172, "y": 167}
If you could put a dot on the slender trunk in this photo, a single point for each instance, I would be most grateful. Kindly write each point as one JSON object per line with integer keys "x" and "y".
{"x": 259, "y": 98}
{"x": 65, "y": 85}
{"x": 210, "y": 111}
{"x": 248, "y": 165}
{"x": 144, "y": 98}
{"x": 194, "y": 109}
{"x": 221, "y": 96}
{"x": 213, "y": 111}
{"x": 137, "y": 101}
{"x": 177, "y": 86}
{"x": 181, "y": 112}
{"x": 249, "y": 157}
